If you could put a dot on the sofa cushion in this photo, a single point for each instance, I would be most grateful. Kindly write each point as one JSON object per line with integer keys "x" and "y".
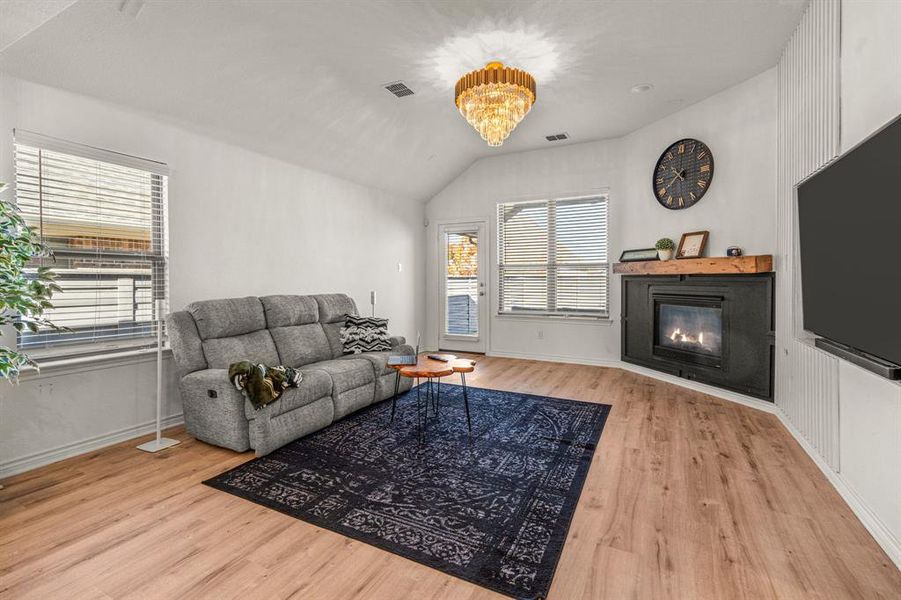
{"x": 227, "y": 317}
{"x": 256, "y": 347}
{"x": 384, "y": 386}
{"x": 282, "y": 311}
{"x": 315, "y": 384}
{"x": 346, "y": 374}
{"x": 332, "y": 333}
{"x": 300, "y": 345}
{"x": 268, "y": 434}
{"x": 352, "y": 400}
{"x": 379, "y": 360}
{"x": 334, "y": 307}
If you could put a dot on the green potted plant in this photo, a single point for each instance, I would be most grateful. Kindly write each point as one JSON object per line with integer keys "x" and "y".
{"x": 23, "y": 297}
{"x": 665, "y": 247}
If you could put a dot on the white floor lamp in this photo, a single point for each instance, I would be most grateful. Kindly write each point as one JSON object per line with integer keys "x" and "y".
{"x": 160, "y": 443}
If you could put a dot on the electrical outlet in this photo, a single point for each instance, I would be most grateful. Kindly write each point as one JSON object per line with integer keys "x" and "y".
{"x": 541, "y": 334}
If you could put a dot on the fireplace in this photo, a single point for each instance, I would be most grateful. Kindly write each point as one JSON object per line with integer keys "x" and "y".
{"x": 712, "y": 329}
{"x": 689, "y": 329}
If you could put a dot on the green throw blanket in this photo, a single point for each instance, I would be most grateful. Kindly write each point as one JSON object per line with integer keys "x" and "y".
{"x": 260, "y": 384}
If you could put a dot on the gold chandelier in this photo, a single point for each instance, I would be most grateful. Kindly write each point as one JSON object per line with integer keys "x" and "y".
{"x": 494, "y": 100}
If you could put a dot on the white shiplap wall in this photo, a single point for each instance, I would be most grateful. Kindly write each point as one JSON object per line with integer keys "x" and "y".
{"x": 809, "y": 137}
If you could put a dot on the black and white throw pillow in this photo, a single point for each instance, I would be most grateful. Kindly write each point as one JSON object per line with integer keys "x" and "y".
{"x": 364, "y": 334}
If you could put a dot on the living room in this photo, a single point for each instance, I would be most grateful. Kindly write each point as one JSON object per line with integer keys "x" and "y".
{"x": 265, "y": 217}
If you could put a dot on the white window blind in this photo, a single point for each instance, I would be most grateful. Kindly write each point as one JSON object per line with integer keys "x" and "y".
{"x": 103, "y": 215}
{"x": 552, "y": 257}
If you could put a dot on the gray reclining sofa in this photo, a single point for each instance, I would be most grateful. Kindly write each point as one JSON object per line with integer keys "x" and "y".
{"x": 296, "y": 331}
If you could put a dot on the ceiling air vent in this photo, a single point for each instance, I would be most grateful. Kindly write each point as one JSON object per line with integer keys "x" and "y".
{"x": 399, "y": 89}
{"x": 557, "y": 137}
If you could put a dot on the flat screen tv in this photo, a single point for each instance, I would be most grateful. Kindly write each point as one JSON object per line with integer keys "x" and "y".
{"x": 849, "y": 218}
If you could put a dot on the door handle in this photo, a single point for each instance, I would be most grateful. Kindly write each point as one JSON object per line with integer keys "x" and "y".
{"x": 481, "y": 293}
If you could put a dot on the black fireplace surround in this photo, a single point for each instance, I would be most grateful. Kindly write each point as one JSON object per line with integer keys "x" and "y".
{"x": 715, "y": 329}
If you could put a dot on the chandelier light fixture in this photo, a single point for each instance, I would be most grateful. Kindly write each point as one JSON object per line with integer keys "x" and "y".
{"x": 494, "y": 100}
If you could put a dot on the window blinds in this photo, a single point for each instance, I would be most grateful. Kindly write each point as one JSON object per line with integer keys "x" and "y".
{"x": 552, "y": 257}
{"x": 103, "y": 215}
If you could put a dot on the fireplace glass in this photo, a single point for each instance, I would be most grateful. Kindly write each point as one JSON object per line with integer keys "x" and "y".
{"x": 690, "y": 328}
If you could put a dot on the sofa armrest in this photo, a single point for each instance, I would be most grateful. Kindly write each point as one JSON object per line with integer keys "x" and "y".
{"x": 187, "y": 348}
{"x": 214, "y": 409}
{"x": 212, "y": 384}
{"x": 397, "y": 340}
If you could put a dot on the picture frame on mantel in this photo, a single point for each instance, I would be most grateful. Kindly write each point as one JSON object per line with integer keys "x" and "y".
{"x": 692, "y": 244}
{"x": 641, "y": 254}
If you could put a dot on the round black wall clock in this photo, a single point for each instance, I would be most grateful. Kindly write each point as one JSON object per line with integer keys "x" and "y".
{"x": 683, "y": 174}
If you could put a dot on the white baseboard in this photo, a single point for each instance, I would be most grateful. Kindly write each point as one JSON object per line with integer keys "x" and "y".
{"x": 46, "y": 457}
{"x": 575, "y": 360}
{"x": 883, "y": 536}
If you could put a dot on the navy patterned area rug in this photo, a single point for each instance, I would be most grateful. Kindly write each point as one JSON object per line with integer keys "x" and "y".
{"x": 493, "y": 510}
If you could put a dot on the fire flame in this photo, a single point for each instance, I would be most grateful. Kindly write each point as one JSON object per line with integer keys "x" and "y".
{"x": 678, "y": 336}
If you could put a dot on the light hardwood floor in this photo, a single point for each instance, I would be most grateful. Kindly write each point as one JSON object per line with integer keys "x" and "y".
{"x": 688, "y": 496}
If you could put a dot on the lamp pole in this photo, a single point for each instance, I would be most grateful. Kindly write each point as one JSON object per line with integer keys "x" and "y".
{"x": 160, "y": 443}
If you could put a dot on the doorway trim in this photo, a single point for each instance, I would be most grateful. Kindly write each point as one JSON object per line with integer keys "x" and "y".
{"x": 484, "y": 328}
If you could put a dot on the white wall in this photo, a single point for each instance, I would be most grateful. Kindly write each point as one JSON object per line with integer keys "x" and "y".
{"x": 870, "y": 67}
{"x": 475, "y": 194}
{"x": 870, "y": 407}
{"x": 240, "y": 224}
{"x": 738, "y": 124}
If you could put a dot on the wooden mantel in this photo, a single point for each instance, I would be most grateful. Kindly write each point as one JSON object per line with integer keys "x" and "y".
{"x": 714, "y": 265}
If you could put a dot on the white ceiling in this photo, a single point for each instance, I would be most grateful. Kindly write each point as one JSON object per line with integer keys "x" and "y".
{"x": 18, "y": 18}
{"x": 301, "y": 80}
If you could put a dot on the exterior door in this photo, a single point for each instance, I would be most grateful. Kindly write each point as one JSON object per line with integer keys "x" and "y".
{"x": 463, "y": 290}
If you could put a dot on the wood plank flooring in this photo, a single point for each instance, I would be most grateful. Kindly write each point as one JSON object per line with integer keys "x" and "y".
{"x": 688, "y": 496}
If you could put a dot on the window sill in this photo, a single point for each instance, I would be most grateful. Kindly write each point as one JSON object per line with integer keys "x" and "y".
{"x": 64, "y": 364}
{"x": 460, "y": 337}
{"x": 574, "y": 319}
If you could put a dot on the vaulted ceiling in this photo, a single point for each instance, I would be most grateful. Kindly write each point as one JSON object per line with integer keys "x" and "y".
{"x": 303, "y": 81}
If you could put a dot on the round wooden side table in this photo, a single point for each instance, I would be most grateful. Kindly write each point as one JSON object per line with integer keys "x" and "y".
{"x": 432, "y": 371}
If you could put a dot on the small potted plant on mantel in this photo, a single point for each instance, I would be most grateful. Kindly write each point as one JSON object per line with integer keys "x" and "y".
{"x": 665, "y": 247}
{"x": 23, "y": 297}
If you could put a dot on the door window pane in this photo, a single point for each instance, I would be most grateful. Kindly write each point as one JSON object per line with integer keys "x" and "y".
{"x": 462, "y": 283}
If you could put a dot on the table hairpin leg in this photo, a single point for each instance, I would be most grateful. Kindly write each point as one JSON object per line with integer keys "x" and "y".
{"x": 396, "y": 388}
{"x": 437, "y": 396}
{"x": 419, "y": 410}
{"x": 466, "y": 403}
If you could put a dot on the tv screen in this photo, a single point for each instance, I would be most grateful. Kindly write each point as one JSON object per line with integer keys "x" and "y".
{"x": 849, "y": 216}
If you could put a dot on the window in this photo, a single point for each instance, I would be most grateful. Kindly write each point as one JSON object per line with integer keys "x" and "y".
{"x": 552, "y": 257}
{"x": 462, "y": 283}
{"x": 102, "y": 214}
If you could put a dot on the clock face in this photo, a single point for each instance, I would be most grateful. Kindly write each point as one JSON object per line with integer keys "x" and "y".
{"x": 683, "y": 174}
